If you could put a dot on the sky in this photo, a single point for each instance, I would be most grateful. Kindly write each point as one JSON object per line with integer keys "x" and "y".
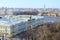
{"x": 30, "y": 3}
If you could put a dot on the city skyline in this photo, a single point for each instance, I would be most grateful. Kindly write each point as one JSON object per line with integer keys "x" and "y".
{"x": 30, "y": 3}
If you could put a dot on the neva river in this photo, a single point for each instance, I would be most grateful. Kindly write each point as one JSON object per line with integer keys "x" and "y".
{"x": 51, "y": 19}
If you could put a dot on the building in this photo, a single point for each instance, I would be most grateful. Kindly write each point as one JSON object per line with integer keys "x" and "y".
{"x": 54, "y": 14}
{"x": 12, "y": 25}
{"x": 51, "y": 14}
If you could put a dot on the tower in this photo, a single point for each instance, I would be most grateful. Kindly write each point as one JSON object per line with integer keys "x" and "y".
{"x": 44, "y": 7}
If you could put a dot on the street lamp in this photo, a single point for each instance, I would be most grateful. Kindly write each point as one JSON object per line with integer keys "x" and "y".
{"x": 32, "y": 30}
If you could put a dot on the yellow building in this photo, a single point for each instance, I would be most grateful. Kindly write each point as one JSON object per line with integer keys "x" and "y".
{"x": 5, "y": 30}
{"x": 48, "y": 14}
{"x": 53, "y": 15}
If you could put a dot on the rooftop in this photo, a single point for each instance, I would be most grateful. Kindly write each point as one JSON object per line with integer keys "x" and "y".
{"x": 13, "y": 20}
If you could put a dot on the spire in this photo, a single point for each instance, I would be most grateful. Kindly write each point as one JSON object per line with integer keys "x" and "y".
{"x": 44, "y": 5}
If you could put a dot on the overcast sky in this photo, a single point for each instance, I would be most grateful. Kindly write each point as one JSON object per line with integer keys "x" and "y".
{"x": 30, "y": 3}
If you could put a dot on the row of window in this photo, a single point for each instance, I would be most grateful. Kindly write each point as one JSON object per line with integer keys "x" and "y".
{"x": 4, "y": 31}
{"x": 4, "y": 27}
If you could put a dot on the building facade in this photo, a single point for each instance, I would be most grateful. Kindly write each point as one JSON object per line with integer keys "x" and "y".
{"x": 12, "y": 25}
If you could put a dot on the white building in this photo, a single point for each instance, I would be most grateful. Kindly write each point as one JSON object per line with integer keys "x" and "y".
{"x": 12, "y": 25}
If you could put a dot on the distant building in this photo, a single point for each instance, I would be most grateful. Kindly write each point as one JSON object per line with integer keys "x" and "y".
{"x": 32, "y": 12}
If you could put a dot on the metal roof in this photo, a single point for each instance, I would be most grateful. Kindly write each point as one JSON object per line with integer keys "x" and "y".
{"x": 13, "y": 20}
